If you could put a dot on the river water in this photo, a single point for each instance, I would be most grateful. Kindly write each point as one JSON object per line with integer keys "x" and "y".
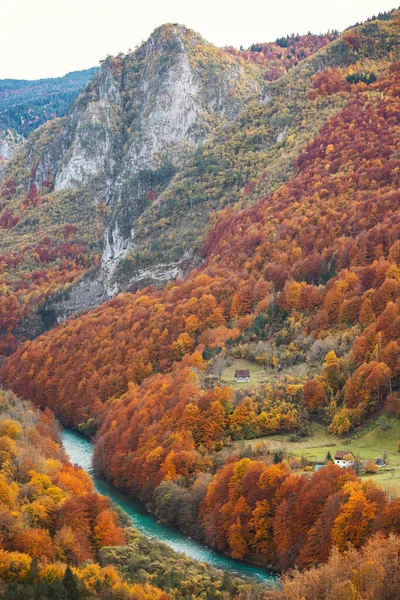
{"x": 80, "y": 450}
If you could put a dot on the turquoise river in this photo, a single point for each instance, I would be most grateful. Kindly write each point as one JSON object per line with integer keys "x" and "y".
{"x": 80, "y": 450}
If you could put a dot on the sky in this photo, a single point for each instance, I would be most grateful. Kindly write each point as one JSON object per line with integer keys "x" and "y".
{"x": 48, "y": 38}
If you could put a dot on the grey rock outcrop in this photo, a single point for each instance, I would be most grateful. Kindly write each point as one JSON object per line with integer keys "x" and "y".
{"x": 10, "y": 142}
{"x": 139, "y": 120}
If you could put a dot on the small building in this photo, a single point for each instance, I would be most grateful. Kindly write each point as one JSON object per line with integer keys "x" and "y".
{"x": 343, "y": 462}
{"x": 380, "y": 462}
{"x": 242, "y": 375}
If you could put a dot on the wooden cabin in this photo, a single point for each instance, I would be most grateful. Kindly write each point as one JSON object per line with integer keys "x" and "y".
{"x": 242, "y": 375}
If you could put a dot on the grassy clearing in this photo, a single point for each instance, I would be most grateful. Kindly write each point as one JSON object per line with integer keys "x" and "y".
{"x": 319, "y": 441}
{"x": 257, "y": 373}
{"x": 369, "y": 444}
{"x": 388, "y": 480}
{"x": 260, "y": 375}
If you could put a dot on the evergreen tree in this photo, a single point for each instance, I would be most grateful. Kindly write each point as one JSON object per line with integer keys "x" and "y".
{"x": 70, "y": 585}
{"x": 279, "y": 455}
{"x": 227, "y": 583}
{"x": 33, "y": 571}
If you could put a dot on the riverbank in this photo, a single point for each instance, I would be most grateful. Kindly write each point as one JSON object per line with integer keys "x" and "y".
{"x": 80, "y": 450}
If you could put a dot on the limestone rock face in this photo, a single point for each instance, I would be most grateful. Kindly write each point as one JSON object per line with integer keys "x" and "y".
{"x": 146, "y": 107}
{"x": 88, "y": 137}
{"x": 170, "y": 113}
{"x": 10, "y": 142}
{"x": 138, "y": 121}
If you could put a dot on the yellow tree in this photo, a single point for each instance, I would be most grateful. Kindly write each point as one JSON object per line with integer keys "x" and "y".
{"x": 354, "y": 523}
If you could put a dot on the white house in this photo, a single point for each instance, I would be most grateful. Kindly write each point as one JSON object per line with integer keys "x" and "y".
{"x": 343, "y": 462}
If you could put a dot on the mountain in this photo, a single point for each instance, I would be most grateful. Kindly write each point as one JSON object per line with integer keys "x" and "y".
{"x": 87, "y": 177}
{"x": 111, "y": 177}
{"x": 25, "y": 105}
{"x": 281, "y": 201}
{"x": 267, "y": 214}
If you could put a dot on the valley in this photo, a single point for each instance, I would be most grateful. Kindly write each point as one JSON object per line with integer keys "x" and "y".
{"x": 80, "y": 451}
{"x": 200, "y": 279}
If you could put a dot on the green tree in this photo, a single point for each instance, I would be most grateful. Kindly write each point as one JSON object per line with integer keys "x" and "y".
{"x": 70, "y": 585}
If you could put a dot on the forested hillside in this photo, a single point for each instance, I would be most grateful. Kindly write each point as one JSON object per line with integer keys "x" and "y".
{"x": 288, "y": 213}
{"x": 59, "y": 539}
{"x": 95, "y": 206}
{"x": 25, "y": 105}
{"x": 317, "y": 262}
{"x": 372, "y": 572}
{"x": 130, "y": 222}
{"x": 50, "y": 516}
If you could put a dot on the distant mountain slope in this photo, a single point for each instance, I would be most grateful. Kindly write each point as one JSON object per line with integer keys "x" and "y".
{"x": 25, "y": 104}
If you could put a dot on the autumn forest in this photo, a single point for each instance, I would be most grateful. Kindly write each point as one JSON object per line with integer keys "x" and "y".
{"x": 288, "y": 219}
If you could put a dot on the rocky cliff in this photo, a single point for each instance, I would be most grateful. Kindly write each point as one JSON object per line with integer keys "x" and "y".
{"x": 129, "y": 133}
{"x": 10, "y": 142}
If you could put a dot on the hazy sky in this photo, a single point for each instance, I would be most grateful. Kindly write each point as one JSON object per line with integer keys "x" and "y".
{"x": 47, "y": 38}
